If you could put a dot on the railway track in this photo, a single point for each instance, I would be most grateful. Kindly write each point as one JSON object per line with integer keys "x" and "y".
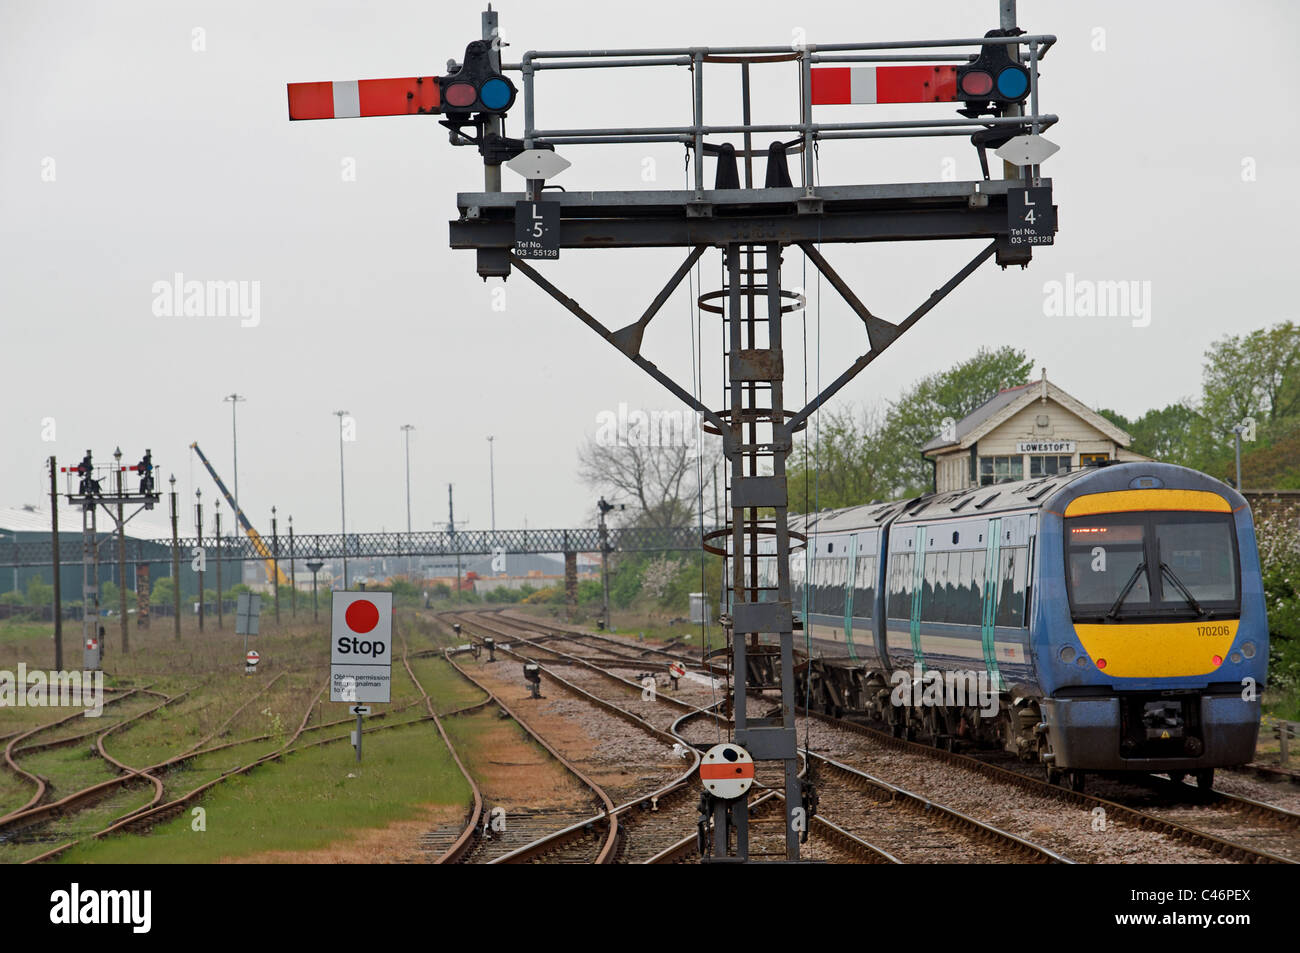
{"x": 1234, "y": 838}
{"x": 1215, "y": 846}
{"x": 651, "y": 824}
{"x": 853, "y": 814}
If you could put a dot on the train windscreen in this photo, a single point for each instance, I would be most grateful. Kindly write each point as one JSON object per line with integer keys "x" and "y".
{"x": 1157, "y": 563}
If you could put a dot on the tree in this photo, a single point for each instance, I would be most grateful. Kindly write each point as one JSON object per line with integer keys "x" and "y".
{"x": 1174, "y": 434}
{"x": 1253, "y": 375}
{"x": 917, "y": 415}
{"x": 163, "y": 592}
{"x": 38, "y": 593}
{"x": 844, "y": 459}
{"x": 851, "y": 460}
{"x": 660, "y": 477}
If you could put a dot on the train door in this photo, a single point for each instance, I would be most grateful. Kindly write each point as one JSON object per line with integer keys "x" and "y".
{"x": 918, "y": 585}
{"x": 992, "y": 583}
{"x": 850, "y": 575}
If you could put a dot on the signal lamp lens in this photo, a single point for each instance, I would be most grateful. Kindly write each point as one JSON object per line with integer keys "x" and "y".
{"x": 1012, "y": 83}
{"x": 1067, "y": 654}
{"x": 1101, "y": 663}
{"x": 1248, "y": 649}
{"x": 1217, "y": 660}
{"x": 460, "y": 94}
{"x": 495, "y": 93}
{"x": 977, "y": 83}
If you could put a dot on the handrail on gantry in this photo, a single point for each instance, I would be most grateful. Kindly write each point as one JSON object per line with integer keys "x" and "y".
{"x": 805, "y": 55}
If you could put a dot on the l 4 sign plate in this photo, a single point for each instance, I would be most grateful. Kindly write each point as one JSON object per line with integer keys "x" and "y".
{"x": 1031, "y": 218}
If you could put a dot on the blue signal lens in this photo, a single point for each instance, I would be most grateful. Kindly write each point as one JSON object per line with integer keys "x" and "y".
{"x": 1012, "y": 83}
{"x": 495, "y": 93}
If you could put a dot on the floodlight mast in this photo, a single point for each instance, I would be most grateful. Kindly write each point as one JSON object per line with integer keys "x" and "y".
{"x": 752, "y": 227}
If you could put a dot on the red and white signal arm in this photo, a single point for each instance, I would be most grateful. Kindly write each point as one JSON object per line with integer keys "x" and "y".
{"x": 676, "y": 669}
{"x": 252, "y": 658}
{"x": 727, "y": 771}
{"x": 842, "y": 85}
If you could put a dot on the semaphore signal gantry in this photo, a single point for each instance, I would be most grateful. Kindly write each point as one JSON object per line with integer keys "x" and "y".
{"x": 99, "y": 485}
{"x": 993, "y": 83}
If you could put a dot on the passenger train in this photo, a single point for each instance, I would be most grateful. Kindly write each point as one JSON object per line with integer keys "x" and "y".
{"x": 1116, "y": 613}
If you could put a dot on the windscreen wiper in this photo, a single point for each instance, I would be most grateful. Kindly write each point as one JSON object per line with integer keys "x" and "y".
{"x": 1132, "y": 581}
{"x": 1178, "y": 584}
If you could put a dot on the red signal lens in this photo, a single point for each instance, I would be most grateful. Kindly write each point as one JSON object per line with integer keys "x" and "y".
{"x": 1101, "y": 663}
{"x": 977, "y": 83}
{"x": 460, "y": 94}
{"x": 1217, "y": 660}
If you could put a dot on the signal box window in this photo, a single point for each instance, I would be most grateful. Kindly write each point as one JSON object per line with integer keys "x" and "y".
{"x": 1088, "y": 458}
{"x": 1040, "y": 466}
{"x": 1001, "y": 469}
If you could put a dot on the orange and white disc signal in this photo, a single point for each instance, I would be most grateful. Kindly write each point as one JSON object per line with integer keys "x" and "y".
{"x": 842, "y": 85}
{"x": 351, "y": 99}
{"x": 727, "y": 771}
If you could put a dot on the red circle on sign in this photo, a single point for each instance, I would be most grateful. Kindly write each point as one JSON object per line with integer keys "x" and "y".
{"x": 362, "y": 616}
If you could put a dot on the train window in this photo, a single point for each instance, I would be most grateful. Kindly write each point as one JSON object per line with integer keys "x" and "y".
{"x": 1197, "y": 554}
{"x": 864, "y": 587}
{"x": 965, "y": 606}
{"x": 1106, "y": 555}
{"x": 900, "y": 587}
{"x": 1011, "y": 594}
{"x": 928, "y": 608}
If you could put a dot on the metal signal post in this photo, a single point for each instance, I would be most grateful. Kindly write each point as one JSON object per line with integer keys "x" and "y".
{"x": 753, "y": 226}
{"x": 89, "y": 480}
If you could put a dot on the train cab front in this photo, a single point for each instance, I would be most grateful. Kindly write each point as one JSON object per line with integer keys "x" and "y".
{"x": 1159, "y": 647}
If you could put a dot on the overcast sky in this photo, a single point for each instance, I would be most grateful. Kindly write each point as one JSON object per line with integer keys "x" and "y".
{"x": 126, "y": 156}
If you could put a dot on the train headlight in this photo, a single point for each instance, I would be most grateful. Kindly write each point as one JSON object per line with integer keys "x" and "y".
{"x": 1217, "y": 660}
{"x": 1234, "y": 658}
{"x": 1081, "y": 661}
{"x": 1248, "y": 649}
{"x": 1067, "y": 654}
{"x": 1101, "y": 663}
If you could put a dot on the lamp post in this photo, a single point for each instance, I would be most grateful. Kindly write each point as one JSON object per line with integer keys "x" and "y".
{"x": 293, "y": 574}
{"x": 216, "y": 529}
{"x": 1237, "y": 431}
{"x": 198, "y": 530}
{"x": 314, "y": 565}
{"x": 176, "y": 561}
{"x": 492, "y": 483}
{"x": 343, "y": 508}
{"x": 275, "y": 564}
{"x": 406, "y": 431}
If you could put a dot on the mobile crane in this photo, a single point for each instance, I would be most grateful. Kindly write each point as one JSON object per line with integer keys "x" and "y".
{"x": 259, "y": 544}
